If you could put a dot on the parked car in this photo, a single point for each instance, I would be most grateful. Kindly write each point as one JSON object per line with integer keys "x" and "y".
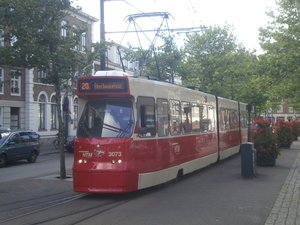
{"x": 70, "y": 145}
{"x": 17, "y": 145}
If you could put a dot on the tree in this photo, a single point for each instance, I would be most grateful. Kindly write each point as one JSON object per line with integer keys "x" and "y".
{"x": 158, "y": 62}
{"x": 281, "y": 43}
{"x": 215, "y": 63}
{"x": 33, "y": 27}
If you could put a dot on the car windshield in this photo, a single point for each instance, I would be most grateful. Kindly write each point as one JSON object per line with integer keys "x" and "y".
{"x": 3, "y": 137}
{"x": 106, "y": 118}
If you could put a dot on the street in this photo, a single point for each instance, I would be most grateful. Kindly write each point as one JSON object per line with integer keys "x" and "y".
{"x": 45, "y": 163}
{"x": 32, "y": 194}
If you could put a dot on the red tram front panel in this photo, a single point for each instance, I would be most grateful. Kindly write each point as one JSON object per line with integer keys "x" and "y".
{"x": 103, "y": 166}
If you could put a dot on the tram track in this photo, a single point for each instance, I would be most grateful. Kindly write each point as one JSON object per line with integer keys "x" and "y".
{"x": 85, "y": 214}
{"x": 68, "y": 210}
{"x": 32, "y": 209}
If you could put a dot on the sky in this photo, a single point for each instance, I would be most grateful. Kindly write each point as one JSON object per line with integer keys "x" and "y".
{"x": 245, "y": 16}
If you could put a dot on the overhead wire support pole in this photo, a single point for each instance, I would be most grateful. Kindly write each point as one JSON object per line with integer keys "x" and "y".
{"x": 184, "y": 30}
{"x": 102, "y": 36}
{"x": 164, "y": 15}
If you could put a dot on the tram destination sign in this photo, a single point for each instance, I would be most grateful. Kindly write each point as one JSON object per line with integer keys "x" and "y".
{"x": 102, "y": 85}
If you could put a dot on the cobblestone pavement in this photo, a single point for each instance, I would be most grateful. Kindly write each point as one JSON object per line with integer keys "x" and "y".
{"x": 287, "y": 205}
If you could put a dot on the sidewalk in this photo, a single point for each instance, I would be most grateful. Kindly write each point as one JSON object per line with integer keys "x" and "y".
{"x": 287, "y": 205}
{"x": 48, "y": 148}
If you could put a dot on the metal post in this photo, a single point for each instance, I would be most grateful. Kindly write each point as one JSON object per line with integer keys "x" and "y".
{"x": 249, "y": 109}
{"x": 102, "y": 35}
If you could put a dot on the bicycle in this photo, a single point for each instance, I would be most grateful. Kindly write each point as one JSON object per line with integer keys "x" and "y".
{"x": 56, "y": 142}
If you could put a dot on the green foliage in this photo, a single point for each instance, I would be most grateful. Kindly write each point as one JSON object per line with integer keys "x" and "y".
{"x": 160, "y": 62}
{"x": 280, "y": 62}
{"x": 33, "y": 29}
{"x": 215, "y": 63}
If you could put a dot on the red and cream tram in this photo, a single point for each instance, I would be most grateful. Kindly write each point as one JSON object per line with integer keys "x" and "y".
{"x": 135, "y": 133}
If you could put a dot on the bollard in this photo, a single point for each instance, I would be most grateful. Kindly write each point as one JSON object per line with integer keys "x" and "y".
{"x": 248, "y": 155}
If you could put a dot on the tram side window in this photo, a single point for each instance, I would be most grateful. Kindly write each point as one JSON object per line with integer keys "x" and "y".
{"x": 208, "y": 119}
{"x": 229, "y": 119}
{"x": 244, "y": 119}
{"x": 197, "y": 114}
{"x": 146, "y": 117}
{"x": 211, "y": 117}
{"x": 162, "y": 117}
{"x": 223, "y": 119}
{"x": 175, "y": 112}
{"x": 233, "y": 119}
{"x": 186, "y": 117}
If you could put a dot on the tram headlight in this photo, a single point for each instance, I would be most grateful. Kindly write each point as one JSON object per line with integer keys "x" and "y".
{"x": 82, "y": 161}
{"x": 116, "y": 161}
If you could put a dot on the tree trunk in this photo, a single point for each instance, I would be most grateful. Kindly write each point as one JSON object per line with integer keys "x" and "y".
{"x": 61, "y": 133}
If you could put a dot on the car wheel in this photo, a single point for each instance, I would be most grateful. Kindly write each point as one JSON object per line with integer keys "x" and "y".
{"x": 32, "y": 157}
{"x": 2, "y": 160}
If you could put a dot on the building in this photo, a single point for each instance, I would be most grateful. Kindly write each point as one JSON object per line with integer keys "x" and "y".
{"x": 28, "y": 103}
{"x": 284, "y": 113}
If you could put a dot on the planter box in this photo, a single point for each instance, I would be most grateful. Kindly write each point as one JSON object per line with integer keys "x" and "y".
{"x": 296, "y": 139}
{"x": 285, "y": 146}
{"x": 271, "y": 162}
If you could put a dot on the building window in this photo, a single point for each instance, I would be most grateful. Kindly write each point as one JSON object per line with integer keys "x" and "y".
{"x": 64, "y": 29}
{"x": 1, "y": 80}
{"x": 54, "y": 119}
{"x": 42, "y": 110}
{"x": 15, "y": 84}
{"x": 1, "y": 38}
{"x": 83, "y": 41}
{"x": 280, "y": 109}
{"x": 41, "y": 76}
{"x": 75, "y": 112}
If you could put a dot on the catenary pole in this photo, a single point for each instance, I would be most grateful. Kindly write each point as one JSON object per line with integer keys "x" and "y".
{"x": 102, "y": 35}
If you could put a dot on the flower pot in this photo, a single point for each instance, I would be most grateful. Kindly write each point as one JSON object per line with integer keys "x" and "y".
{"x": 296, "y": 139}
{"x": 271, "y": 162}
{"x": 285, "y": 146}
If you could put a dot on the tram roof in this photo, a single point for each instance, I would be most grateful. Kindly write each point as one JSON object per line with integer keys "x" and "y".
{"x": 113, "y": 73}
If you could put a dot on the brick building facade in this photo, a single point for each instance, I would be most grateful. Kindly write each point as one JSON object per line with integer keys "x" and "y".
{"x": 27, "y": 103}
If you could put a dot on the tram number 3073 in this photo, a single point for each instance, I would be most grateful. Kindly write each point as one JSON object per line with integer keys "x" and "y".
{"x": 114, "y": 154}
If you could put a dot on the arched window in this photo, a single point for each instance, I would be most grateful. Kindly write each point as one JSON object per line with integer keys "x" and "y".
{"x": 75, "y": 112}
{"x": 42, "y": 110}
{"x": 54, "y": 119}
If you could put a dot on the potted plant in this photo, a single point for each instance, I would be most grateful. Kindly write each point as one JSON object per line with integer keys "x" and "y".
{"x": 296, "y": 129}
{"x": 265, "y": 143}
{"x": 284, "y": 134}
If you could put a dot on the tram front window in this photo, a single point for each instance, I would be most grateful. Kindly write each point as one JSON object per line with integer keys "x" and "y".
{"x": 106, "y": 118}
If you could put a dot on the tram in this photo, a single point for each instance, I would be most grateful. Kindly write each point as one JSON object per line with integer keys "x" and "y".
{"x": 135, "y": 132}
